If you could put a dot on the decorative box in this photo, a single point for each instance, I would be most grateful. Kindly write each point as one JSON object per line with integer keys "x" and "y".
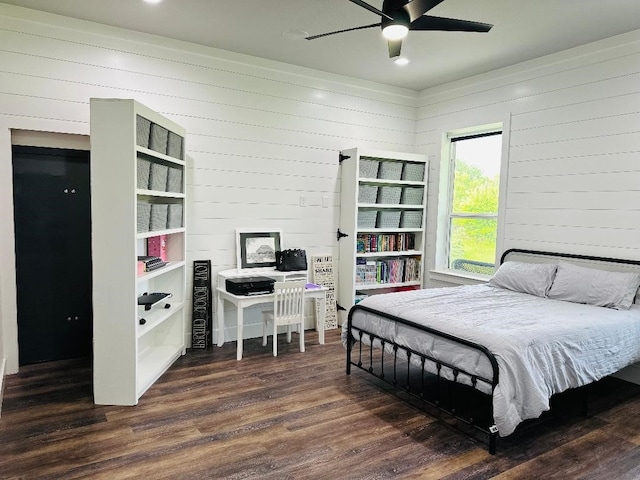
{"x": 157, "y": 247}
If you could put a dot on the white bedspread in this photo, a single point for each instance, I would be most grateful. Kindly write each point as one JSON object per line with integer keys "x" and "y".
{"x": 542, "y": 346}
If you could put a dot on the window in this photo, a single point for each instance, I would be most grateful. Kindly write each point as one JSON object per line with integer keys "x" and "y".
{"x": 474, "y": 186}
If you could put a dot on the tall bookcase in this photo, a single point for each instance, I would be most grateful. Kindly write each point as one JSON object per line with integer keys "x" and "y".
{"x": 382, "y": 223}
{"x": 137, "y": 192}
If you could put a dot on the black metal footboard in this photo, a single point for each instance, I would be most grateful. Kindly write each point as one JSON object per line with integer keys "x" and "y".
{"x": 465, "y": 396}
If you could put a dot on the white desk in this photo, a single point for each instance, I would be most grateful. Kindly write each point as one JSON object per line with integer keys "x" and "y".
{"x": 244, "y": 301}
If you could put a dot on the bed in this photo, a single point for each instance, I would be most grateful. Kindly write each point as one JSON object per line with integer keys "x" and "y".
{"x": 492, "y": 355}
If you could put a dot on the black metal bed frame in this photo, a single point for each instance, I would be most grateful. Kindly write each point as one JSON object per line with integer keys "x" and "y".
{"x": 436, "y": 383}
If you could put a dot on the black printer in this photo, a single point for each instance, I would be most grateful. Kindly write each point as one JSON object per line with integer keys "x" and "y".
{"x": 249, "y": 285}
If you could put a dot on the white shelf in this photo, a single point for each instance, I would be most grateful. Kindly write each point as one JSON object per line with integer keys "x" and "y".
{"x": 160, "y": 271}
{"x": 379, "y": 286}
{"x": 156, "y": 193}
{"x": 353, "y": 188}
{"x": 160, "y": 156}
{"x": 156, "y": 316}
{"x": 155, "y": 233}
{"x": 384, "y": 181}
{"x": 388, "y": 230}
{"x": 406, "y": 253}
{"x": 153, "y": 362}
{"x": 391, "y": 206}
{"x": 129, "y": 357}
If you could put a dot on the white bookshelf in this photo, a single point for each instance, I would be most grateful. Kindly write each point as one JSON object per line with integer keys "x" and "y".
{"x": 382, "y": 223}
{"x": 130, "y": 355}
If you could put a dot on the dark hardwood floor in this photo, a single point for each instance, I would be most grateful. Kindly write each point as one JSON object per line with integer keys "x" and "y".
{"x": 296, "y": 416}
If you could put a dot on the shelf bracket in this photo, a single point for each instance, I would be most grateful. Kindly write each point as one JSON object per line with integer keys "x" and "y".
{"x": 342, "y": 157}
{"x": 340, "y": 307}
{"x": 339, "y": 235}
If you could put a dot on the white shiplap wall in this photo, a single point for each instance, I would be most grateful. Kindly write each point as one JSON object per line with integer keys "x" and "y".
{"x": 260, "y": 134}
{"x": 573, "y": 179}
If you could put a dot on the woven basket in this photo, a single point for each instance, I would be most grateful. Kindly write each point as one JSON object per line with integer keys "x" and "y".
{"x": 143, "y": 217}
{"x": 412, "y": 195}
{"x": 174, "y": 180}
{"x": 158, "y": 139}
{"x": 175, "y": 145}
{"x": 143, "y": 131}
{"x": 158, "y": 216}
{"x": 413, "y": 172}
{"x": 390, "y": 170}
{"x": 142, "y": 173}
{"x": 174, "y": 215}
{"x": 388, "y": 219}
{"x": 367, "y": 193}
{"x": 368, "y": 168}
{"x": 158, "y": 177}
{"x": 389, "y": 195}
{"x": 367, "y": 218}
{"x": 411, "y": 219}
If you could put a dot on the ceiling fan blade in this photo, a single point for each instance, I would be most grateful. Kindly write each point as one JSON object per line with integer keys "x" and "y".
{"x": 418, "y": 8}
{"x": 313, "y": 37}
{"x": 371, "y": 9}
{"x": 427, "y": 22}
{"x": 394, "y": 48}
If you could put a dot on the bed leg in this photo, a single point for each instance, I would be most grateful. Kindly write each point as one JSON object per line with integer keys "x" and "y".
{"x": 493, "y": 439}
{"x": 584, "y": 397}
{"x": 349, "y": 342}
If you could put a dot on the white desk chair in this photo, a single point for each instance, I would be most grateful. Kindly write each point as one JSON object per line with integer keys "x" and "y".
{"x": 288, "y": 309}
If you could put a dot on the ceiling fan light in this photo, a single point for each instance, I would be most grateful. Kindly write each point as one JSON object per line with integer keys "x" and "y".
{"x": 395, "y": 31}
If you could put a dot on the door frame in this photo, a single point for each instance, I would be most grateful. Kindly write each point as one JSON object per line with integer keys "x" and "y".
{"x": 27, "y": 132}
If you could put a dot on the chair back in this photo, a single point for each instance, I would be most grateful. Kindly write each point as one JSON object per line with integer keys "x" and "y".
{"x": 288, "y": 302}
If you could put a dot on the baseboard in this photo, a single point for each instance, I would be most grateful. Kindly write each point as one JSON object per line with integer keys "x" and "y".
{"x": 3, "y": 364}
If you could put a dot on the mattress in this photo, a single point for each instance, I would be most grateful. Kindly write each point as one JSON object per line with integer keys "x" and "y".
{"x": 542, "y": 346}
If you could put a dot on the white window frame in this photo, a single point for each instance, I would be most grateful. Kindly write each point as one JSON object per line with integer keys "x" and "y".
{"x": 441, "y": 270}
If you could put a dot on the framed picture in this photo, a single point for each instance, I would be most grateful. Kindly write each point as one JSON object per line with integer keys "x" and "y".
{"x": 257, "y": 248}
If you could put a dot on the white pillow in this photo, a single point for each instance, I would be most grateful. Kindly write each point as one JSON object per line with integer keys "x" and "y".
{"x": 531, "y": 278}
{"x": 595, "y": 287}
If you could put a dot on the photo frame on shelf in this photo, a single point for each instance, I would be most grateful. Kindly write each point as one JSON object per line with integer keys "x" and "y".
{"x": 256, "y": 248}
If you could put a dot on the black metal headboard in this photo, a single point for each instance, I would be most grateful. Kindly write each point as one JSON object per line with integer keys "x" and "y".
{"x": 625, "y": 261}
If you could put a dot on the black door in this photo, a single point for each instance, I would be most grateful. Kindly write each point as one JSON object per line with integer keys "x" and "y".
{"x": 52, "y": 214}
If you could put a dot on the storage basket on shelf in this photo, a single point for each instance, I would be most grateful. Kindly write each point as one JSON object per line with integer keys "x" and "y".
{"x": 174, "y": 216}
{"x": 413, "y": 172}
{"x": 411, "y": 219}
{"x": 388, "y": 219}
{"x": 412, "y": 195}
{"x": 143, "y": 131}
{"x": 174, "y": 145}
{"x": 367, "y": 193}
{"x": 158, "y": 177}
{"x": 158, "y": 139}
{"x": 174, "y": 180}
{"x": 143, "y": 217}
{"x": 367, "y": 218}
{"x": 389, "y": 194}
{"x": 142, "y": 173}
{"x": 158, "y": 216}
{"x": 390, "y": 170}
{"x": 368, "y": 168}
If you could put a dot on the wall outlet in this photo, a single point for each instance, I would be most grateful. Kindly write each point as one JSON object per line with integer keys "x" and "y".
{"x": 303, "y": 201}
{"x": 325, "y": 202}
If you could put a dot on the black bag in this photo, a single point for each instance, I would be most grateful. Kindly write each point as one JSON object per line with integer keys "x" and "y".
{"x": 291, "y": 260}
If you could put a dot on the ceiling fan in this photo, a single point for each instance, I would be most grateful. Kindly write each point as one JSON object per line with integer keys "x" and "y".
{"x": 397, "y": 17}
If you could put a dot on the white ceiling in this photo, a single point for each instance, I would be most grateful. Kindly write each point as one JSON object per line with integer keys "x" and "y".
{"x": 523, "y": 29}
